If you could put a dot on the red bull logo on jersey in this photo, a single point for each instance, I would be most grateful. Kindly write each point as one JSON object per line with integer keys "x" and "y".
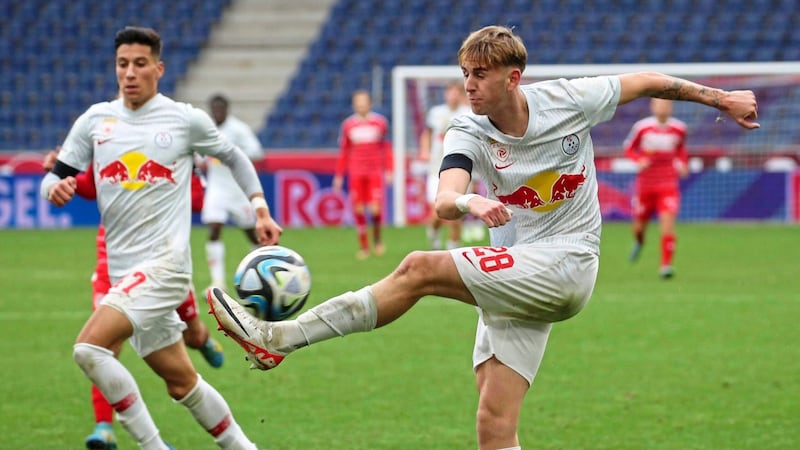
{"x": 134, "y": 171}
{"x": 544, "y": 191}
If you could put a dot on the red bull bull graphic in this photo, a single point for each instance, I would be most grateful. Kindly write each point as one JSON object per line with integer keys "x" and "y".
{"x": 544, "y": 191}
{"x": 134, "y": 171}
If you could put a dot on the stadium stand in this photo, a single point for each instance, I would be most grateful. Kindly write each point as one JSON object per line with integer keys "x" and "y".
{"x": 54, "y": 56}
{"x": 361, "y": 35}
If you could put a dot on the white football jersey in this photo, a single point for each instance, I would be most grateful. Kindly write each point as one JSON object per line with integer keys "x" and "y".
{"x": 142, "y": 164}
{"x": 437, "y": 120}
{"x": 218, "y": 175}
{"x": 547, "y": 177}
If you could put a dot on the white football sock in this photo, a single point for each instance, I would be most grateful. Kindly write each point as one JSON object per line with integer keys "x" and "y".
{"x": 215, "y": 254}
{"x": 120, "y": 389}
{"x": 348, "y": 313}
{"x": 211, "y": 411}
{"x": 434, "y": 238}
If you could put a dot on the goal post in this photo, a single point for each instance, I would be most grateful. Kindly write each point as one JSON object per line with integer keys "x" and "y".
{"x": 777, "y": 87}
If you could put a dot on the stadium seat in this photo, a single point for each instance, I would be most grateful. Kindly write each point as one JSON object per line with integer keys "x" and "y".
{"x": 359, "y": 35}
{"x": 72, "y": 72}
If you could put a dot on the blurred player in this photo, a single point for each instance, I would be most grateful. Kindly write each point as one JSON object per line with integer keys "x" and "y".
{"x": 196, "y": 334}
{"x": 531, "y": 144}
{"x": 658, "y": 145}
{"x": 430, "y": 150}
{"x": 366, "y": 157}
{"x": 224, "y": 200}
{"x": 141, "y": 149}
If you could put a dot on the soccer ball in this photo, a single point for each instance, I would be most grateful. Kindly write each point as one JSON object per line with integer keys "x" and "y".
{"x": 273, "y": 282}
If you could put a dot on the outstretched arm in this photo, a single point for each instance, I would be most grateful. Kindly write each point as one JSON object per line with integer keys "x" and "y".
{"x": 741, "y": 106}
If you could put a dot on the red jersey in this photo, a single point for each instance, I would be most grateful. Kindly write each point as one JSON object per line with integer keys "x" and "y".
{"x": 663, "y": 145}
{"x": 364, "y": 146}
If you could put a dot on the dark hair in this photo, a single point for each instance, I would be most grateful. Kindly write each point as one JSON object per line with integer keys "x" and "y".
{"x": 139, "y": 35}
{"x": 218, "y": 98}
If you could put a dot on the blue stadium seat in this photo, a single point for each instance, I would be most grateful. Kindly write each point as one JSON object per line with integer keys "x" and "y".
{"x": 73, "y": 71}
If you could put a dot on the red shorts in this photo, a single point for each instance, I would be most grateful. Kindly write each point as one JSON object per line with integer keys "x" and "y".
{"x": 101, "y": 284}
{"x": 366, "y": 188}
{"x": 645, "y": 203}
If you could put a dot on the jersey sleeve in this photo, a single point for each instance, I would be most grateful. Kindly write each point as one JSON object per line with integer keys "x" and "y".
{"x": 458, "y": 141}
{"x": 85, "y": 186}
{"x": 344, "y": 151}
{"x": 680, "y": 152}
{"x": 630, "y": 147}
{"x": 249, "y": 143}
{"x": 597, "y": 96}
{"x": 78, "y": 148}
{"x": 206, "y": 139}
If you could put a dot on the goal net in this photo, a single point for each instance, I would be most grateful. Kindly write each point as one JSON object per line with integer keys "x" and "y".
{"x": 726, "y": 160}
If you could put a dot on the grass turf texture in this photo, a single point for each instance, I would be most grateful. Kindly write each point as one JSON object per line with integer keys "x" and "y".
{"x": 708, "y": 360}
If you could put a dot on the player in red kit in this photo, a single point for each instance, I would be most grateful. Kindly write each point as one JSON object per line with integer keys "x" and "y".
{"x": 196, "y": 335}
{"x": 658, "y": 145}
{"x": 366, "y": 158}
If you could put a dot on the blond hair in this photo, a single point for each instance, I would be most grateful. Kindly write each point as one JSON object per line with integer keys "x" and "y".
{"x": 494, "y": 46}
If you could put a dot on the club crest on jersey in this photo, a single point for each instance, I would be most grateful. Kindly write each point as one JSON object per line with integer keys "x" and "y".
{"x": 571, "y": 144}
{"x": 500, "y": 154}
{"x": 163, "y": 139}
{"x": 106, "y": 130}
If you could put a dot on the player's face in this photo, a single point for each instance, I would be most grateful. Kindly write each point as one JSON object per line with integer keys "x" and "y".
{"x": 138, "y": 73}
{"x": 219, "y": 112}
{"x": 487, "y": 88}
{"x": 361, "y": 104}
{"x": 661, "y": 108}
{"x": 454, "y": 96}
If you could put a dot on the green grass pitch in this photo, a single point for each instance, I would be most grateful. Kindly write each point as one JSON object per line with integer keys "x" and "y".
{"x": 707, "y": 360}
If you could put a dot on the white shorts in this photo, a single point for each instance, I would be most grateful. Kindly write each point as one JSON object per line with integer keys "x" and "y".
{"x": 521, "y": 291}
{"x": 148, "y": 297}
{"x": 222, "y": 205}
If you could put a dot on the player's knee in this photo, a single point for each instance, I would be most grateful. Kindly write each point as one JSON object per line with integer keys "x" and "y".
{"x": 493, "y": 425}
{"x": 87, "y": 356}
{"x": 417, "y": 268}
{"x": 179, "y": 387}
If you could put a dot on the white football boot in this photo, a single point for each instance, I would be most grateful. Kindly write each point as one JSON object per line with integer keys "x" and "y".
{"x": 252, "y": 334}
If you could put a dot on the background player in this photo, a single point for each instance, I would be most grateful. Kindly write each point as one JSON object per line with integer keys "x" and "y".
{"x": 366, "y": 157}
{"x": 224, "y": 199}
{"x": 430, "y": 150}
{"x": 196, "y": 334}
{"x": 141, "y": 147}
{"x": 658, "y": 145}
{"x": 544, "y": 258}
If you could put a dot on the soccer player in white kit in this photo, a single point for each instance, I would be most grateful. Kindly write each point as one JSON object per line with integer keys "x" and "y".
{"x": 141, "y": 147}
{"x": 430, "y": 151}
{"x": 224, "y": 199}
{"x": 531, "y": 145}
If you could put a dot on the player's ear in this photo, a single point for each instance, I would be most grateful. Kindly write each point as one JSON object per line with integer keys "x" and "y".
{"x": 514, "y": 77}
{"x": 160, "y": 68}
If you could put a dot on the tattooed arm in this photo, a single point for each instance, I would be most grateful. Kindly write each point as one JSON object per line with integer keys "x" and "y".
{"x": 741, "y": 106}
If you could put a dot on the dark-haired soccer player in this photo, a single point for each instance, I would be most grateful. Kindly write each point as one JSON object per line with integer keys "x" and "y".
{"x": 141, "y": 147}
